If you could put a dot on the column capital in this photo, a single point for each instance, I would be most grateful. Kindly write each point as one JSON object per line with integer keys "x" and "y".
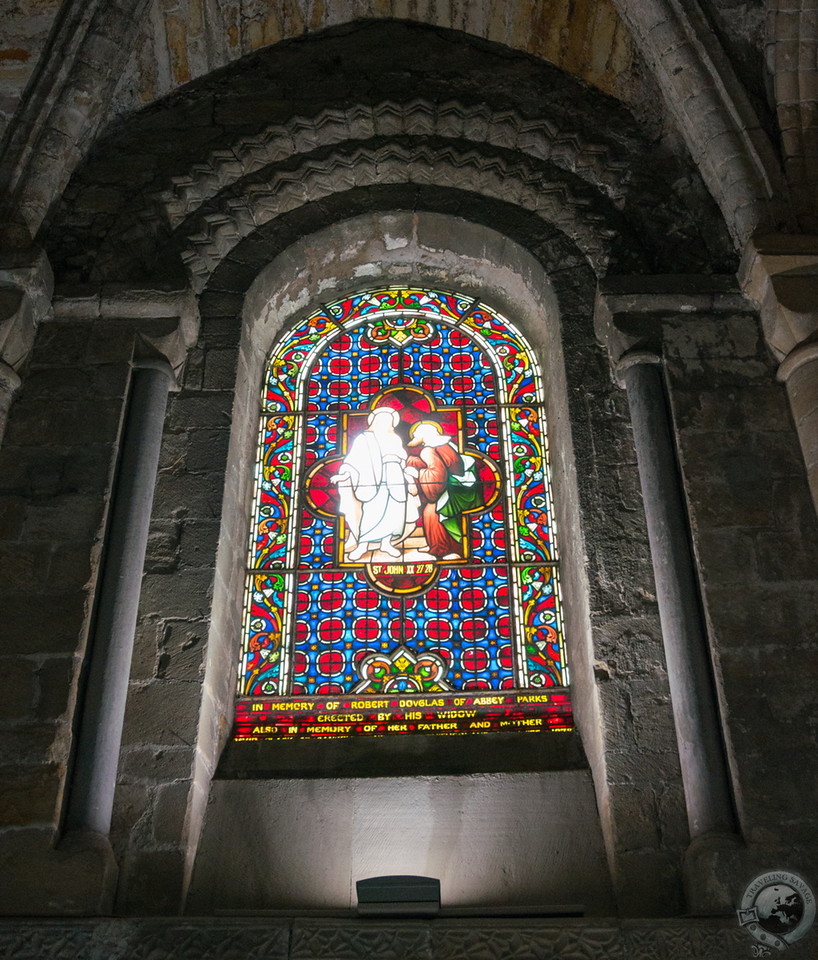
{"x": 26, "y": 286}
{"x": 9, "y": 379}
{"x": 165, "y": 320}
{"x": 634, "y": 358}
{"x": 779, "y": 273}
{"x": 632, "y": 312}
{"x": 804, "y": 353}
{"x": 160, "y": 365}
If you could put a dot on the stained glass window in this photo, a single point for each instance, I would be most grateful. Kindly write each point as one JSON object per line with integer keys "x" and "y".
{"x": 403, "y": 572}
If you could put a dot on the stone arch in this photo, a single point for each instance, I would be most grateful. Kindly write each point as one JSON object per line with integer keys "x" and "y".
{"x": 791, "y": 51}
{"x": 213, "y": 234}
{"x": 177, "y": 46}
{"x": 62, "y": 113}
{"x": 611, "y": 179}
{"x": 586, "y": 175}
{"x": 402, "y": 246}
{"x": 713, "y": 113}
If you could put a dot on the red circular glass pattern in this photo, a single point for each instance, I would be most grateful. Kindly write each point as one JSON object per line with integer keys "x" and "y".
{"x": 438, "y": 630}
{"x": 438, "y": 599}
{"x": 474, "y": 630}
{"x": 339, "y": 388}
{"x": 331, "y": 600}
{"x": 340, "y": 366}
{"x": 330, "y": 663}
{"x": 330, "y": 630}
{"x": 431, "y": 362}
{"x": 402, "y": 630}
{"x": 371, "y": 363}
{"x": 367, "y": 628}
{"x": 461, "y": 362}
{"x": 474, "y": 660}
{"x": 366, "y": 599}
{"x": 473, "y": 598}
{"x": 369, "y": 386}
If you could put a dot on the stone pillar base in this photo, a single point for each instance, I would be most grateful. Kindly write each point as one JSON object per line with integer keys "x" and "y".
{"x": 714, "y": 872}
{"x": 76, "y": 878}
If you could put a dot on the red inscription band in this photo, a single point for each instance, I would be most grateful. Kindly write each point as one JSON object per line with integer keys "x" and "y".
{"x": 343, "y": 716}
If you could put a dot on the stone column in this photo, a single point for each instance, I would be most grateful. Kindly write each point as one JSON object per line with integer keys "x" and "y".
{"x": 799, "y": 372}
{"x": 127, "y": 340}
{"x": 630, "y": 324}
{"x": 94, "y": 777}
{"x": 701, "y": 754}
{"x": 26, "y": 286}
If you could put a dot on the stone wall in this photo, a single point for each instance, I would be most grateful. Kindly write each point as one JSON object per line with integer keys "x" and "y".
{"x": 182, "y": 41}
{"x": 643, "y": 828}
{"x": 23, "y": 34}
{"x": 755, "y": 536}
{"x": 513, "y": 159}
{"x": 55, "y": 468}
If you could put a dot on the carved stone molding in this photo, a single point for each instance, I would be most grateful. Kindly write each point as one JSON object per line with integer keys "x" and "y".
{"x": 630, "y": 312}
{"x": 596, "y": 174}
{"x": 278, "y": 938}
{"x": 65, "y": 102}
{"x": 597, "y": 163}
{"x": 779, "y": 272}
{"x": 26, "y": 285}
{"x": 714, "y": 114}
{"x": 602, "y": 170}
{"x": 210, "y": 237}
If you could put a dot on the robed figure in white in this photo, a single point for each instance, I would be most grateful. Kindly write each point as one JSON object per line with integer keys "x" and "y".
{"x": 376, "y": 489}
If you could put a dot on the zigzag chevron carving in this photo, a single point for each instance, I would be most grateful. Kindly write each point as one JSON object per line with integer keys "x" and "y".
{"x": 606, "y": 169}
{"x": 211, "y": 237}
{"x": 539, "y": 139}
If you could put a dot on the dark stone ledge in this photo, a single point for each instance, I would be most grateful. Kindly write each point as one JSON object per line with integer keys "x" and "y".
{"x": 396, "y": 756}
{"x": 277, "y": 937}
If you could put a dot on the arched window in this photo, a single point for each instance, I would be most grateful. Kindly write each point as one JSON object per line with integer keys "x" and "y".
{"x": 403, "y": 573}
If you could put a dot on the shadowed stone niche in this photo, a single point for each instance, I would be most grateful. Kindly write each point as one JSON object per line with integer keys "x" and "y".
{"x": 626, "y": 847}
